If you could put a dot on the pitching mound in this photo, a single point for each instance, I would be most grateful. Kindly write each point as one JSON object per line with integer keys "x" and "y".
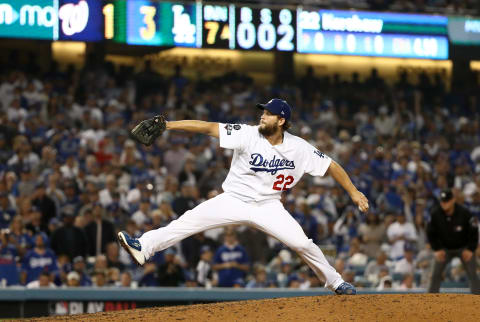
{"x": 392, "y": 307}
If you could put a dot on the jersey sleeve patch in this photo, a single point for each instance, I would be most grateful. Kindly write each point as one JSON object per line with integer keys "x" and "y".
{"x": 229, "y": 127}
{"x": 233, "y": 136}
{"x": 317, "y": 163}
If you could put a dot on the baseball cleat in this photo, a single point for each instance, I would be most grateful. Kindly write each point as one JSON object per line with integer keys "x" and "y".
{"x": 346, "y": 289}
{"x": 132, "y": 246}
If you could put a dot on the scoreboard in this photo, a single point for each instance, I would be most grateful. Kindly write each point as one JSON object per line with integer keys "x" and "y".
{"x": 230, "y": 26}
{"x": 161, "y": 23}
{"x": 216, "y": 23}
{"x": 372, "y": 34}
{"x": 265, "y": 29}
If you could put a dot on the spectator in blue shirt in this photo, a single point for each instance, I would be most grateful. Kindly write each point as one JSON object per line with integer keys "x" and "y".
{"x": 230, "y": 261}
{"x": 38, "y": 260}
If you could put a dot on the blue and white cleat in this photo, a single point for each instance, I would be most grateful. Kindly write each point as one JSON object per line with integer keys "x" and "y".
{"x": 346, "y": 289}
{"x": 132, "y": 246}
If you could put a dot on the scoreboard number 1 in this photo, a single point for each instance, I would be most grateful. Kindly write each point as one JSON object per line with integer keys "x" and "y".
{"x": 108, "y": 11}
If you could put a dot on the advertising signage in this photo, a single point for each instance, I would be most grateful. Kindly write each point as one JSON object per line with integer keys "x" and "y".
{"x": 464, "y": 31}
{"x": 51, "y": 19}
{"x": 35, "y": 19}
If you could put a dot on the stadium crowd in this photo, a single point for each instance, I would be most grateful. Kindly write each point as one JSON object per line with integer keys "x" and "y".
{"x": 70, "y": 177}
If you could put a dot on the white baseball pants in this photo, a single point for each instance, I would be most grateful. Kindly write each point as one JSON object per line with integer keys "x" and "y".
{"x": 269, "y": 216}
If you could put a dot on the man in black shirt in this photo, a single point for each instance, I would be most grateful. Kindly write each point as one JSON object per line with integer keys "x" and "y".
{"x": 452, "y": 232}
{"x": 68, "y": 239}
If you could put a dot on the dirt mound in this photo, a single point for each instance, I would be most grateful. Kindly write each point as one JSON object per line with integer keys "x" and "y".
{"x": 391, "y": 307}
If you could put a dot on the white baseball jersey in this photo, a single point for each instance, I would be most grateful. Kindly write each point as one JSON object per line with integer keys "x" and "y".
{"x": 261, "y": 171}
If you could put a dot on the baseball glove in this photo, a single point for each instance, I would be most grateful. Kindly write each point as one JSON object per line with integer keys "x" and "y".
{"x": 148, "y": 130}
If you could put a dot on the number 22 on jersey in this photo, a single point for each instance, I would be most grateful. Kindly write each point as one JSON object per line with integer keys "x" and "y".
{"x": 277, "y": 185}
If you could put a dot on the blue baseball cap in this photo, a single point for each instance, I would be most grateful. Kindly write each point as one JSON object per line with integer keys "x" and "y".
{"x": 278, "y": 107}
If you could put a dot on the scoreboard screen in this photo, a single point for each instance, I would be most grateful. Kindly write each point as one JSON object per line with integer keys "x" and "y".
{"x": 372, "y": 34}
{"x": 80, "y": 20}
{"x": 161, "y": 23}
{"x": 383, "y": 45}
{"x": 115, "y": 20}
{"x": 217, "y": 26}
{"x": 265, "y": 29}
{"x": 464, "y": 31}
{"x": 237, "y": 26}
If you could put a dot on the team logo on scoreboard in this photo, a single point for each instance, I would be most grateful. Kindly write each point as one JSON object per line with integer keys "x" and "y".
{"x": 74, "y": 17}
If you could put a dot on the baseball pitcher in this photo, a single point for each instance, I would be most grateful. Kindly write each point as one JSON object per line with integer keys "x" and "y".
{"x": 266, "y": 161}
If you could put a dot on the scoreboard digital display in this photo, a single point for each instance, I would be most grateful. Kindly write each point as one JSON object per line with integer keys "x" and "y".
{"x": 372, "y": 34}
{"x": 217, "y": 22}
{"x": 80, "y": 20}
{"x": 161, "y": 23}
{"x": 236, "y": 27}
{"x": 265, "y": 29}
{"x": 464, "y": 31}
{"x": 383, "y": 45}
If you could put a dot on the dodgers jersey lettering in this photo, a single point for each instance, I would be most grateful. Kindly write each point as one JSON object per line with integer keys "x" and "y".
{"x": 261, "y": 171}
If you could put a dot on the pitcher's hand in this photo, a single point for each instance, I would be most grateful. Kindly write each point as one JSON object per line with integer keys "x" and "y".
{"x": 360, "y": 200}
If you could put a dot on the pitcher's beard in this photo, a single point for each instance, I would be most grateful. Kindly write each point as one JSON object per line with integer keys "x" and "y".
{"x": 268, "y": 130}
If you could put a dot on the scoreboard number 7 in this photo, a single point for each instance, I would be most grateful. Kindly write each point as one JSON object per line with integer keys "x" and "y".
{"x": 212, "y": 27}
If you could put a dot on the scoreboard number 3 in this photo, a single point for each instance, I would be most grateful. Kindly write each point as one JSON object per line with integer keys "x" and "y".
{"x": 148, "y": 32}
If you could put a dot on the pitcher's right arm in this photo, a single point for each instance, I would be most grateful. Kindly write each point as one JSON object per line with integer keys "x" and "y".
{"x": 195, "y": 126}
